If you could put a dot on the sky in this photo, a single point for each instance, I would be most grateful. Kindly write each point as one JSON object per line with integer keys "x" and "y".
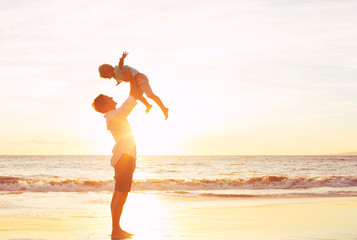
{"x": 240, "y": 77}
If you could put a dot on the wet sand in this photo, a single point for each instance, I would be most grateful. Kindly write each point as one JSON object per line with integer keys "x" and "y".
{"x": 87, "y": 216}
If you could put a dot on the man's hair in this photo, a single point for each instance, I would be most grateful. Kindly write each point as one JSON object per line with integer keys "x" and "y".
{"x": 99, "y": 104}
{"x": 104, "y": 68}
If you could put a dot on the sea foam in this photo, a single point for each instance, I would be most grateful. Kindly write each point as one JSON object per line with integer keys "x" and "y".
{"x": 8, "y": 183}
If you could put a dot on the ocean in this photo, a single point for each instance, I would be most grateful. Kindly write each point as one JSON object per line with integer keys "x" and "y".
{"x": 209, "y": 176}
{"x": 181, "y": 198}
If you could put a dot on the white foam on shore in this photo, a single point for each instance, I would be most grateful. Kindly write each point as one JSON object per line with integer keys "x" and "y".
{"x": 254, "y": 183}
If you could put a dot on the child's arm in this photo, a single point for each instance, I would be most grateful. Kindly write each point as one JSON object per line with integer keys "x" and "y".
{"x": 121, "y": 60}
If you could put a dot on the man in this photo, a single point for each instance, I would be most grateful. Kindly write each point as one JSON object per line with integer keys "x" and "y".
{"x": 124, "y": 151}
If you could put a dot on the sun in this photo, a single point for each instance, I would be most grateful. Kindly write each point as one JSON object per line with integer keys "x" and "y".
{"x": 150, "y": 132}
{"x": 153, "y": 134}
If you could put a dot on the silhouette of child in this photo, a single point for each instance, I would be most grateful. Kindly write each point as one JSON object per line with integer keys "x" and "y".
{"x": 108, "y": 71}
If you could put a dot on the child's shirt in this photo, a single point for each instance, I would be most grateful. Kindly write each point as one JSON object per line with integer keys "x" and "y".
{"x": 119, "y": 74}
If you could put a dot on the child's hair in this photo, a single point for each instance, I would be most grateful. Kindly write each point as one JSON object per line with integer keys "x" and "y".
{"x": 99, "y": 104}
{"x": 104, "y": 68}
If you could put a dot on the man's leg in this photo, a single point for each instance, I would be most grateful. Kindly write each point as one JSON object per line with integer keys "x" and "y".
{"x": 123, "y": 179}
{"x": 117, "y": 205}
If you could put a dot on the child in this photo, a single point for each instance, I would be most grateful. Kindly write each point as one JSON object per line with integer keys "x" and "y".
{"x": 107, "y": 71}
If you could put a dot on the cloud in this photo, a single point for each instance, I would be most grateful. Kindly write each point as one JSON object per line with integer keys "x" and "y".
{"x": 35, "y": 141}
{"x": 241, "y": 64}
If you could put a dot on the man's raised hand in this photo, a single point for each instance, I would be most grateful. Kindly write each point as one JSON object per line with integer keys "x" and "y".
{"x": 127, "y": 76}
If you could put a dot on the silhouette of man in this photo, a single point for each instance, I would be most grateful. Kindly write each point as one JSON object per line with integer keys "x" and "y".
{"x": 124, "y": 151}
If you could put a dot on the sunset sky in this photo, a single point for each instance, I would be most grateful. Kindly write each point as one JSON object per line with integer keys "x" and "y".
{"x": 239, "y": 76}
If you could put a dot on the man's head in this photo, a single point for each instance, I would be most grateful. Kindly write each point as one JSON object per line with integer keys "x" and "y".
{"x": 106, "y": 71}
{"x": 103, "y": 104}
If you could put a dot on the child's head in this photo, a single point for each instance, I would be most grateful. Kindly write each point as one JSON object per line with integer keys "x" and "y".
{"x": 106, "y": 71}
{"x": 103, "y": 104}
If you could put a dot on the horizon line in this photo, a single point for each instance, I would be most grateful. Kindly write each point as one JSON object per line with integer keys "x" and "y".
{"x": 198, "y": 155}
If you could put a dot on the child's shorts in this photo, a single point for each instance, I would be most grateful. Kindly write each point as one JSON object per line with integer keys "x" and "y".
{"x": 124, "y": 170}
{"x": 143, "y": 83}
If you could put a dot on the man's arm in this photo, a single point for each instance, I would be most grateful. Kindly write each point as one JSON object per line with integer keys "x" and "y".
{"x": 121, "y": 60}
{"x": 129, "y": 104}
{"x": 125, "y": 109}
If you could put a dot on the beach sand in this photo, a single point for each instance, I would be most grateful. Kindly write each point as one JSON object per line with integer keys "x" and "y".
{"x": 149, "y": 216}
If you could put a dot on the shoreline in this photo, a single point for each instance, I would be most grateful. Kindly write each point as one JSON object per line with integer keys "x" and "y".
{"x": 87, "y": 216}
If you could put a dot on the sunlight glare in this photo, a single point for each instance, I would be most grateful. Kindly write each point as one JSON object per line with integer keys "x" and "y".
{"x": 147, "y": 217}
{"x": 153, "y": 135}
{"x": 101, "y": 141}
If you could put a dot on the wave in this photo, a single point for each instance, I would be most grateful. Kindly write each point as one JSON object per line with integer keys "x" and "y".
{"x": 8, "y": 183}
{"x": 66, "y": 185}
{"x": 282, "y": 195}
{"x": 265, "y": 182}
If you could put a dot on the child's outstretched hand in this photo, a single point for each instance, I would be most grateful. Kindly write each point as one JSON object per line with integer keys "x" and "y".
{"x": 124, "y": 55}
{"x": 121, "y": 60}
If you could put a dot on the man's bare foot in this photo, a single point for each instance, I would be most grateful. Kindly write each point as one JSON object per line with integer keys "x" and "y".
{"x": 122, "y": 235}
{"x": 166, "y": 113}
{"x": 148, "y": 109}
{"x": 130, "y": 234}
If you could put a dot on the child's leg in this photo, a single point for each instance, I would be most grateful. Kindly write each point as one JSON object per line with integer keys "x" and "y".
{"x": 158, "y": 101}
{"x": 143, "y": 82}
{"x": 148, "y": 106}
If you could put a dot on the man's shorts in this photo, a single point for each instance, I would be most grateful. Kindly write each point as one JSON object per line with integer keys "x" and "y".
{"x": 143, "y": 82}
{"x": 124, "y": 170}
